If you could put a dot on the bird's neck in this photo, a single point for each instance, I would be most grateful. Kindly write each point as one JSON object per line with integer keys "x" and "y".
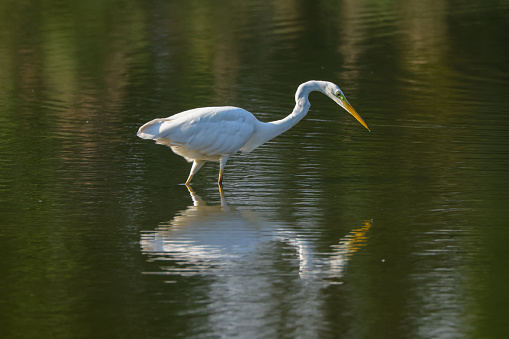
{"x": 301, "y": 108}
{"x": 272, "y": 129}
{"x": 299, "y": 111}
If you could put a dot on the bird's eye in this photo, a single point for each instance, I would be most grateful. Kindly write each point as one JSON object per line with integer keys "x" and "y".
{"x": 340, "y": 95}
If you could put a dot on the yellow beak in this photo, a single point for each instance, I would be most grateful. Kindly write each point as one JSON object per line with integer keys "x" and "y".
{"x": 352, "y": 111}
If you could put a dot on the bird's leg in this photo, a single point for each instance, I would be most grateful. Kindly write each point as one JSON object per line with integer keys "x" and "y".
{"x": 222, "y": 163}
{"x": 224, "y": 203}
{"x": 197, "y": 164}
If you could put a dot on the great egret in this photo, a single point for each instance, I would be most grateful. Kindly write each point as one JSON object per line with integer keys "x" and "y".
{"x": 216, "y": 133}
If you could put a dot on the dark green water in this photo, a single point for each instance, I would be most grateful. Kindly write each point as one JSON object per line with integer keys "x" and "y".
{"x": 327, "y": 231}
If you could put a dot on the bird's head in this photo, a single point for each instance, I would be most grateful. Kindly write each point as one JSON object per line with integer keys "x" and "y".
{"x": 336, "y": 94}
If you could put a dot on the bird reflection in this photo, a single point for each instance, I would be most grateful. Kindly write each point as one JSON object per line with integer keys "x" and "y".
{"x": 221, "y": 239}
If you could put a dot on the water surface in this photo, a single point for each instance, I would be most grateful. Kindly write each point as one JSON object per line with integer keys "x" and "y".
{"x": 326, "y": 231}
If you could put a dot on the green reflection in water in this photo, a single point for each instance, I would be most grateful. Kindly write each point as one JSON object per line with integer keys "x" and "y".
{"x": 76, "y": 187}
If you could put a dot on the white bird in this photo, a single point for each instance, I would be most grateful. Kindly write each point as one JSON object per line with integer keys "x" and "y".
{"x": 216, "y": 133}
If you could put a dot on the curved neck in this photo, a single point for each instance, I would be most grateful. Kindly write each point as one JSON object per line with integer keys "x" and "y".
{"x": 269, "y": 130}
{"x": 299, "y": 111}
{"x": 301, "y": 108}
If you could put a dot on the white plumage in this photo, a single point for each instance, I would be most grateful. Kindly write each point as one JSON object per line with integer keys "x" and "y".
{"x": 216, "y": 133}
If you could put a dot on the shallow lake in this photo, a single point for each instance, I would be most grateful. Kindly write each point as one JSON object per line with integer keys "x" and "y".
{"x": 327, "y": 231}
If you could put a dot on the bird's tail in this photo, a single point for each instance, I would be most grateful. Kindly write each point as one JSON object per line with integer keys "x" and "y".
{"x": 151, "y": 129}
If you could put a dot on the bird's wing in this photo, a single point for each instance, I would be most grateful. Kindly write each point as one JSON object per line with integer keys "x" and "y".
{"x": 210, "y": 130}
